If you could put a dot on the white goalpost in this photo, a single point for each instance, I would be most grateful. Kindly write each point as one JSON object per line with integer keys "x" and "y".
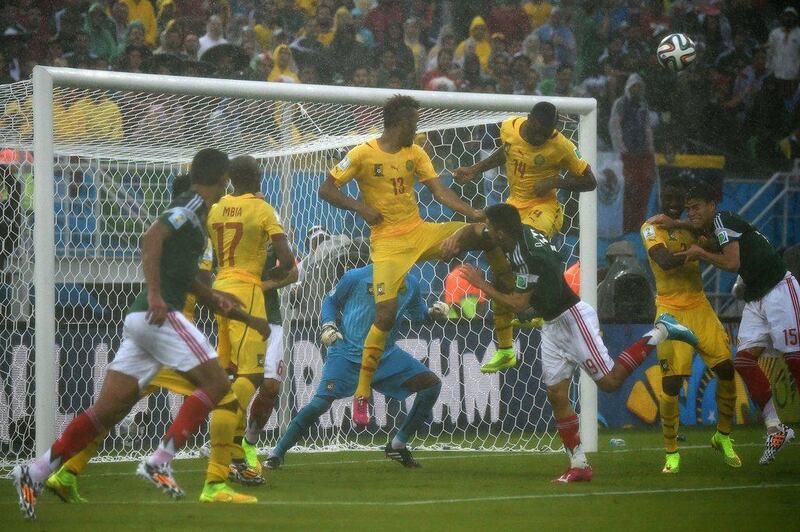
{"x": 105, "y": 148}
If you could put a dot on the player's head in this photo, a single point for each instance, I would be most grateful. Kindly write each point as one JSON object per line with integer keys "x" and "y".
{"x": 181, "y": 184}
{"x": 209, "y": 170}
{"x": 673, "y": 198}
{"x": 245, "y": 175}
{"x": 400, "y": 114}
{"x": 504, "y": 225}
{"x": 701, "y": 205}
{"x": 541, "y": 123}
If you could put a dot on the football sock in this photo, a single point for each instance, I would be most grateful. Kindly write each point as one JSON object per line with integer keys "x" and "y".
{"x": 746, "y": 365}
{"x": 634, "y": 355}
{"x": 260, "y": 411}
{"x": 793, "y": 363}
{"x": 221, "y": 429}
{"x": 668, "y": 405}
{"x": 420, "y": 410}
{"x": 77, "y": 463}
{"x": 726, "y": 404}
{"x": 770, "y": 415}
{"x": 656, "y": 335}
{"x": 244, "y": 389}
{"x": 370, "y": 357}
{"x": 194, "y": 410}
{"x": 501, "y": 271}
{"x": 568, "y": 431}
{"x": 79, "y": 433}
{"x": 307, "y": 416}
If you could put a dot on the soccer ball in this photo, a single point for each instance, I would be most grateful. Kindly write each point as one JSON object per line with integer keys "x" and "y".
{"x": 676, "y": 51}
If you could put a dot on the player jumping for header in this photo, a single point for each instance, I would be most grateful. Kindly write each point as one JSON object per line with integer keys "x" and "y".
{"x": 534, "y": 153}
{"x": 571, "y": 332}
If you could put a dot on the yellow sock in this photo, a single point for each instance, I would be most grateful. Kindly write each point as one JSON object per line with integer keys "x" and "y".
{"x": 221, "y": 429}
{"x": 78, "y": 462}
{"x": 244, "y": 389}
{"x": 370, "y": 356}
{"x": 669, "y": 421}
{"x": 501, "y": 271}
{"x": 726, "y": 404}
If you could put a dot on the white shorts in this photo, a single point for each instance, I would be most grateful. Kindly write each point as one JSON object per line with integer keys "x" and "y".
{"x": 274, "y": 368}
{"x": 774, "y": 320}
{"x": 573, "y": 339}
{"x": 145, "y": 348}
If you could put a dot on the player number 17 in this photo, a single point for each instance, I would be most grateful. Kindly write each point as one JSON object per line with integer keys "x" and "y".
{"x": 219, "y": 231}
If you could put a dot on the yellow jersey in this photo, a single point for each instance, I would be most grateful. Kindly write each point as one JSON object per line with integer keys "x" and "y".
{"x": 679, "y": 288}
{"x": 386, "y": 181}
{"x": 240, "y": 228}
{"x": 526, "y": 164}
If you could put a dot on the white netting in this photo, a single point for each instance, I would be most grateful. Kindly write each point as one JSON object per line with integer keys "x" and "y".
{"x": 117, "y": 153}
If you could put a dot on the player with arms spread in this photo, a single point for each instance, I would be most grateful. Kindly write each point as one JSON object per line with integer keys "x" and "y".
{"x": 771, "y": 316}
{"x": 534, "y": 153}
{"x": 242, "y": 225}
{"x": 679, "y": 288}
{"x": 156, "y": 334}
{"x": 399, "y": 374}
{"x": 385, "y": 169}
{"x": 571, "y": 332}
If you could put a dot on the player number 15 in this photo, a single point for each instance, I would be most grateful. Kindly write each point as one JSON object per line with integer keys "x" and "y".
{"x": 790, "y": 336}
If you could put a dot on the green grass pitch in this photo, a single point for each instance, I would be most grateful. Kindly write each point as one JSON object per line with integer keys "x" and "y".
{"x": 455, "y": 491}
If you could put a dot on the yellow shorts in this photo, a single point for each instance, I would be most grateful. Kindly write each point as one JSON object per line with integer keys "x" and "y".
{"x": 178, "y": 383}
{"x": 547, "y": 218}
{"x": 393, "y": 257}
{"x": 714, "y": 345}
{"x": 241, "y": 350}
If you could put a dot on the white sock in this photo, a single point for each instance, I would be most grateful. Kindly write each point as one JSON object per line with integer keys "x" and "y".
{"x": 577, "y": 458}
{"x": 657, "y": 335}
{"x": 162, "y": 455}
{"x": 41, "y": 468}
{"x": 770, "y": 415}
{"x": 397, "y": 444}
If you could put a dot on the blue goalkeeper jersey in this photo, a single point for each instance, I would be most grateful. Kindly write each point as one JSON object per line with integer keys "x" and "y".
{"x": 351, "y": 304}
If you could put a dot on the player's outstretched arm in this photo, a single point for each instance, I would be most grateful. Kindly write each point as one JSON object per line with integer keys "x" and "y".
{"x": 449, "y": 199}
{"x": 467, "y": 173}
{"x": 286, "y": 259}
{"x": 516, "y": 301}
{"x": 728, "y": 260}
{"x": 328, "y": 191}
{"x": 572, "y": 182}
{"x": 152, "y": 247}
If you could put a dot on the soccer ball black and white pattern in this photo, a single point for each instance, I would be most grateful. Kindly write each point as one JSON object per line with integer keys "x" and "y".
{"x": 676, "y": 51}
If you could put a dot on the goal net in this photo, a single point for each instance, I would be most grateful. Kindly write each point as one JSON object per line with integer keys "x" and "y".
{"x": 118, "y": 142}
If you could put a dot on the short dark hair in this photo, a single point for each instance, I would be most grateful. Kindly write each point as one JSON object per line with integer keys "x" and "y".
{"x": 209, "y": 165}
{"x": 245, "y": 174}
{"x": 180, "y": 184}
{"x": 396, "y": 108}
{"x": 674, "y": 182}
{"x": 545, "y": 114}
{"x": 700, "y": 191}
{"x": 506, "y": 218}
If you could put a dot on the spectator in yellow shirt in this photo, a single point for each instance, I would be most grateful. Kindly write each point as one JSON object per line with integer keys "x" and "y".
{"x": 142, "y": 10}
{"x": 478, "y": 42}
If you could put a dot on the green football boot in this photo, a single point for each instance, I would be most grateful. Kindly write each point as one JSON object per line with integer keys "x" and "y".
{"x": 724, "y": 444}
{"x": 502, "y": 359}
{"x": 672, "y": 463}
{"x": 64, "y": 484}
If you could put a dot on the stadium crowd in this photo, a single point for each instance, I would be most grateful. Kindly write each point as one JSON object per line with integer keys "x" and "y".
{"x": 744, "y": 83}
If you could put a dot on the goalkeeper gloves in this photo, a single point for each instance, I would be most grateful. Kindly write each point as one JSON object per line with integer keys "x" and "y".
{"x": 330, "y": 334}
{"x": 439, "y": 311}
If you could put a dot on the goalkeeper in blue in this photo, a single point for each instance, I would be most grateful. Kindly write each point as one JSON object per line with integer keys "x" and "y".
{"x": 346, "y": 316}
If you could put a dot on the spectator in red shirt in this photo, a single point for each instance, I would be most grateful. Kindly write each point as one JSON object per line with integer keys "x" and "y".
{"x": 509, "y": 19}
{"x": 387, "y": 13}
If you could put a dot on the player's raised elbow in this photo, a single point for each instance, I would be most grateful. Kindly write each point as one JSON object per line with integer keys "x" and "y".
{"x": 325, "y": 190}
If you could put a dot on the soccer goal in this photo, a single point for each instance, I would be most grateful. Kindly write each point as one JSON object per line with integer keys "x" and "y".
{"x": 97, "y": 153}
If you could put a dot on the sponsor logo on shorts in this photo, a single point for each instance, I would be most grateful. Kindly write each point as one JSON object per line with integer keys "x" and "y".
{"x": 330, "y": 386}
{"x": 378, "y": 170}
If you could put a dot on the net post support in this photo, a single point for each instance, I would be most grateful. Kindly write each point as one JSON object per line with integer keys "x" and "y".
{"x": 46, "y": 353}
{"x": 587, "y": 212}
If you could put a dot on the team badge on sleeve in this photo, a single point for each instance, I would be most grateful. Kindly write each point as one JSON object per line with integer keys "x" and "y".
{"x": 177, "y": 218}
{"x": 649, "y": 232}
{"x": 722, "y": 237}
{"x": 344, "y": 164}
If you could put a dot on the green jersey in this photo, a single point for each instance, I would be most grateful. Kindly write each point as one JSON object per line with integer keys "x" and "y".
{"x": 181, "y": 252}
{"x": 272, "y": 300}
{"x": 760, "y": 265}
{"x": 537, "y": 267}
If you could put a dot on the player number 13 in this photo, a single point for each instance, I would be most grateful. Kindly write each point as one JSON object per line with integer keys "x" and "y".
{"x": 399, "y": 185}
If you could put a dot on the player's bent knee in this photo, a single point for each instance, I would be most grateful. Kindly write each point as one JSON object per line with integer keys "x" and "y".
{"x": 672, "y": 384}
{"x": 724, "y": 370}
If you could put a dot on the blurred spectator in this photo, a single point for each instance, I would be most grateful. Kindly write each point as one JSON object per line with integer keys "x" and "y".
{"x": 737, "y": 57}
{"x": 447, "y": 41}
{"x": 561, "y": 85}
{"x": 444, "y": 68}
{"x": 783, "y": 57}
{"x": 538, "y": 12}
{"x": 5, "y": 75}
{"x": 166, "y": 13}
{"x": 100, "y": 29}
{"x": 308, "y": 74}
{"x": 557, "y": 33}
{"x": 790, "y": 146}
{"x": 284, "y": 66}
{"x": 478, "y": 43}
{"x": 265, "y": 24}
{"x": 546, "y": 63}
{"x": 170, "y": 41}
{"x": 345, "y": 54}
{"x": 509, "y": 19}
{"x": 307, "y": 48}
{"x": 119, "y": 16}
{"x": 363, "y": 33}
{"x": 423, "y": 12}
{"x": 589, "y": 40}
{"x": 716, "y": 32}
{"x": 360, "y": 77}
{"x": 103, "y": 117}
{"x": 411, "y": 30}
{"x": 632, "y": 137}
{"x": 471, "y": 76}
{"x": 67, "y": 19}
{"x": 403, "y": 55}
{"x": 213, "y": 36}
{"x": 133, "y": 57}
{"x": 79, "y": 56}
{"x": 142, "y": 10}
{"x": 133, "y": 37}
{"x": 326, "y": 29}
{"x": 191, "y": 46}
{"x": 384, "y": 15}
